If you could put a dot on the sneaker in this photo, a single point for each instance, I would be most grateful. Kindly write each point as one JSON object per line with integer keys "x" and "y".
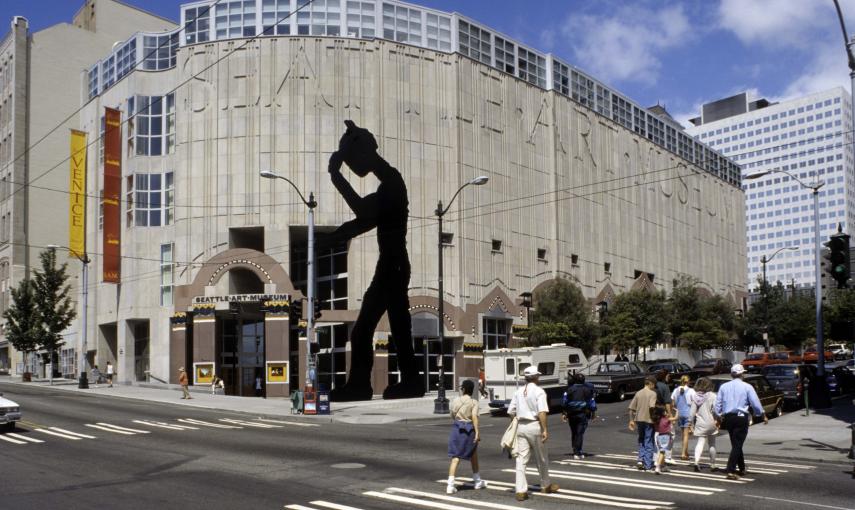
{"x": 577, "y": 457}
{"x": 639, "y": 465}
{"x": 450, "y": 489}
{"x": 670, "y": 462}
{"x": 657, "y": 471}
{"x": 732, "y": 476}
{"x": 714, "y": 469}
{"x": 522, "y": 496}
{"x": 480, "y": 484}
{"x": 742, "y": 472}
{"x": 697, "y": 468}
{"x": 550, "y": 489}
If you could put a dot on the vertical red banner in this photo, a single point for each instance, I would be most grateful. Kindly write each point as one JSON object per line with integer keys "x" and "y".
{"x": 112, "y": 195}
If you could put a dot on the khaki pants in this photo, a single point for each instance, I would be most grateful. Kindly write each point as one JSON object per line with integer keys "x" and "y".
{"x": 186, "y": 391}
{"x": 528, "y": 445}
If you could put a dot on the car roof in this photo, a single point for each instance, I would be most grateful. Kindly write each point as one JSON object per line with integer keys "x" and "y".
{"x": 7, "y": 402}
{"x": 727, "y": 377}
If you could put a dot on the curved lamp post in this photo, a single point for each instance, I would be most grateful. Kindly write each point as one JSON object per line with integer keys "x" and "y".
{"x": 83, "y": 382}
{"x": 763, "y": 260}
{"x": 310, "y": 270}
{"x": 440, "y": 405}
{"x": 822, "y": 400}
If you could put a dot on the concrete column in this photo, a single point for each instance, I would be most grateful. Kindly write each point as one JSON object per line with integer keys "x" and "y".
{"x": 276, "y": 343}
{"x": 380, "y": 371}
{"x": 204, "y": 338}
{"x": 125, "y": 355}
{"x": 177, "y": 345}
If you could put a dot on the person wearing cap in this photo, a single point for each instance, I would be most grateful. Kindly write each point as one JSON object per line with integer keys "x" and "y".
{"x": 387, "y": 210}
{"x": 529, "y": 406}
{"x": 184, "y": 381}
{"x": 734, "y": 401}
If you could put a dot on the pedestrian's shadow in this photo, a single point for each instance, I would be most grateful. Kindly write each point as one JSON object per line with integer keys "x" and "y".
{"x": 823, "y": 447}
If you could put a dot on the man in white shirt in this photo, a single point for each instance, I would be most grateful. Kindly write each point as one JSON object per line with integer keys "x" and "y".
{"x": 110, "y": 373}
{"x": 530, "y": 407}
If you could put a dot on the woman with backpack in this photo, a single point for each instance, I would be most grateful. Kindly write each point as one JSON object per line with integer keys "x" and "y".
{"x": 579, "y": 407}
{"x": 681, "y": 399}
{"x": 702, "y": 420}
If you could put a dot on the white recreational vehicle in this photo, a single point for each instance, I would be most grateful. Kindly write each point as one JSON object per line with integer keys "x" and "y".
{"x": 503, "y": 370}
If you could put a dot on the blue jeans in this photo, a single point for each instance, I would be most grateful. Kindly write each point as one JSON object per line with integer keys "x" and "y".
{"x": 645, "y": 444}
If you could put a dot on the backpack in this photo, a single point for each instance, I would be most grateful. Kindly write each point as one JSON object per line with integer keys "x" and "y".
{"x": 571, "y": 404}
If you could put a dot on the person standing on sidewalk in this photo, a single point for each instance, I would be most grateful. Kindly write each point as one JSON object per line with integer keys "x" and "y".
{"x": 579, "y": 407}
{"x": 465, "y": 436}
{"x": 110, "y": 374}
{"x": 734, "y": 401}
{"x": 184, "y": 381}
{"x": 641, "y": 421}
{"x": 530, "y": 407}
{"x": 702, "y": 421}
{"x": 682, "y": 398}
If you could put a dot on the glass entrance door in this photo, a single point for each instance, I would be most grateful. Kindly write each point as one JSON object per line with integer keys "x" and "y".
{"x": 241, "y": 348}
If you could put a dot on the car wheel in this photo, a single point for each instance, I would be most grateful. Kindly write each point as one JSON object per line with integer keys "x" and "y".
{"x": 10, "y": 427}
{"x": 621, "y": 394}
{"x": 779, "y": 410}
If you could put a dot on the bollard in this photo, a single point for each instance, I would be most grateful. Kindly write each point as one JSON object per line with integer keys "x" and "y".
{"x": 852, "y": 444}
{"x": 807, "y": 402}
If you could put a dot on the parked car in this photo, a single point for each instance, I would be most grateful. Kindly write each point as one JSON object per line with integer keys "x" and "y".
{"x": 789, "y": 379}
{"x": 617, "y": 379}
{"x": 840, "y": 351}
{"x": 789, "y": 357}
{"x": 810, "y": 355}
{"x": 771, "y": 399}
{"x": 756, "y": 361}
{"x": 676, "y": 371}
{"x": 839, "y": 379}
{"x": 849, "y": 364}
{"x": 10, "y": 413}
{"x": 712, "y": 366}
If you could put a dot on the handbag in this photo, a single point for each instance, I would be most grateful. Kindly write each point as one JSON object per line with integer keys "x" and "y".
{"x": 509, "y": 438}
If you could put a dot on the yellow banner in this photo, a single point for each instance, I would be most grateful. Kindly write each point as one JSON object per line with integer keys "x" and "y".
{"x": 77, "y": 195}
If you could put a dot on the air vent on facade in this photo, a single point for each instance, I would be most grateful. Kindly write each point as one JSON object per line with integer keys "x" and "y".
{"x": 447, "y": 238}
{"x": 497, "y": 245}
{"x": 541, "y": 254}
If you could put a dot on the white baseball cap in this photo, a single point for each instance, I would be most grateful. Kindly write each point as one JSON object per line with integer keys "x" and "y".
{"x": 737, "y": 369}
{"x": 530, "y": 371}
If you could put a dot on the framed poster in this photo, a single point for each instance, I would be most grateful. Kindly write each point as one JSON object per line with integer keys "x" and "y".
{"x": 203, "y": 373}
{"x": 277, "y": 372}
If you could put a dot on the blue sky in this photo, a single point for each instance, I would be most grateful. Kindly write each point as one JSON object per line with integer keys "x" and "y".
{"x": 680, "y": 54}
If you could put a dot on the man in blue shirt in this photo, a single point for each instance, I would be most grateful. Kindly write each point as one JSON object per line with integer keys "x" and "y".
{"x": 734, "y": 401}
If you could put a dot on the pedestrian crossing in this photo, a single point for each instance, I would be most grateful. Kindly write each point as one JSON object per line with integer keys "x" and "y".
{"x": 38, "y": 434}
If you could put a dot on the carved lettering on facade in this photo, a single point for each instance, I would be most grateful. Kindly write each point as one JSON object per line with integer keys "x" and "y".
{"x": 584, "y": 146}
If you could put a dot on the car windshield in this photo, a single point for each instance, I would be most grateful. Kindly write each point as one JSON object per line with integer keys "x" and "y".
{"x": 612, "y": 368}
{"x": 706, "y": 363}
{"x": 754, "y": 357}
{"x": 781, "y": 371}
{"x": 656, "y": 368}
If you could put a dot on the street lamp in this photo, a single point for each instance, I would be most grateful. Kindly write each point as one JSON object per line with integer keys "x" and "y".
{"x": 822, "y": 400}
{"x": 764, "y": 259}
{"x": 83, "y": 382}
{"x": 310, "y": 271}
{"x": 440, "y": 405}
{"x": 850, "y": 45}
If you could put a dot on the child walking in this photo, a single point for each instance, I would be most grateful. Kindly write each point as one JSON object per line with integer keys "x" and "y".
{"x": 662, "y": 437}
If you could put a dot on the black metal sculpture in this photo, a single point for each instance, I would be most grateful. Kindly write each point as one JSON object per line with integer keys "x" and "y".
{"x": 387, "y": 210}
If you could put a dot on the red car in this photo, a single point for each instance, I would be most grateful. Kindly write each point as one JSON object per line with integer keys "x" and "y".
{"x": 810, "y": 355}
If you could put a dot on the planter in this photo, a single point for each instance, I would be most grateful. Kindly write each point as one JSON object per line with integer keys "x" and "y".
{"x": 27, "y": 377}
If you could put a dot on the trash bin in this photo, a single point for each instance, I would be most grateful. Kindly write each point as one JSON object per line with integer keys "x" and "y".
{"x": 296, "y": 401}
{"x": 323, "y": 402}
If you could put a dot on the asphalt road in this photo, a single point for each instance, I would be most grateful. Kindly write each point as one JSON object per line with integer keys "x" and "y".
{"x": 300, "y": 465}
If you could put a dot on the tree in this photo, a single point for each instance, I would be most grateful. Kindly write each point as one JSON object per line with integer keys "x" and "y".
{"x": 22, "y": 322}
{"x": 562, "y": 314}
{"x": 699, "y": 321}
{"x": 53, "y": 304}
{"x": 636, "y": 319}
{"x": 840, "y": 314}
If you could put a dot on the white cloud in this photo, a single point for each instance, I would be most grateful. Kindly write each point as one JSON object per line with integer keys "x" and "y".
{"x": 827, "y": 69}
{"x": 625, "y": 45}
{"x": 774, "y": 22}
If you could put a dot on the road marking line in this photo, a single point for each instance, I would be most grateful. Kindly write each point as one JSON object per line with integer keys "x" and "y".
{"x": 420, "y": 502}
{"x": 646, "y": 482}
{"x": 282, "y": 422}
{"x": 299, "y": 507}
{"x": 619, "y": 467}
{"x": 9, "y": 439}
{"x": 491, "y": 483}
{"x": 78, "y": 434}
{"x": 207, "y": 424}
{"x": 165, "y": 425}
{"x": 629, "y": 482}
{"x": 800, "y": 502}
{"x": 25, "y": 438}
{"x": 776, "y": 464}
{"x": 250, "y": 424}
{"x": 136, "y": 431}
{"x": 108, "y": 429}
{"x": 57, "y": 434}
{"x": 768, "y": 471}
{"x": 507, "y": 489}
{"x": 334, "y": 506}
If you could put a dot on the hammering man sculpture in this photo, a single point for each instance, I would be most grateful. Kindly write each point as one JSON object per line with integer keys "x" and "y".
{"x": 386, "y": 210}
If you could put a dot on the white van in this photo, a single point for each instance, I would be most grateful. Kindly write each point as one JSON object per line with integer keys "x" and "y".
{"x": 503, "y": 370}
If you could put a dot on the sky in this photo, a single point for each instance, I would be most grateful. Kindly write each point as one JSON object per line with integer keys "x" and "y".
{"x": 679, "y": 54}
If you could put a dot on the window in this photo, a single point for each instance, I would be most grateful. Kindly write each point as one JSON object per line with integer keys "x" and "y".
{"x": 197, "y": 24}
{"x": 331, "y": 274}
{"x": 148, "y": 201}
{"x": 438, "y": 32}
{"x": 108, "y": 71}
{"x": 235, "y": 18}
{"x": 509, "y": 366}
{"x": 126, "y": 58}
{"x": 560, "y": 77}
{"x": 495, "y": 333}
{"x": 153, "y": 129}
{"x": 541, "y": 254}
{"x": 496, "y": 245}
{"x": 93, "y": 81}
{"x": 159, "y": 51}
{"x": 402, "y": 24}
{"x": 546, "y": 368}
{"x": 573, "y": 359}
{"x": 532, "y": 67}
{"x": 166, "y": 273}
{"x": 447, "y": 238}
{"x": 321, "y": 17}
{"x": 505, "y": 56}
{"x": 574, "y": 259}
{"x": 274, "y": 19}
{"x": 474, "y": 42}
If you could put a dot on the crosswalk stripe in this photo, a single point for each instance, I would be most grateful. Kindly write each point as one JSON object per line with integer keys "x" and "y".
{"x": 208, "y": 424}
{"x": 25, "y": 438}
{"x": 512, "y": 489}
{"x": 299, "y": 507}
{"x": 9, "y": 439}
{"x": 334, "y": 506}
{"x": 165, "y": 425}
{"x": 250, "y": 424}
{"x": 766, "y": 471}
{"x": 418, "y": 502}
{"x": 628, "y": 482}
{"x": 294, "y": 423}
{"x": 635, "y": 480}
{"x": 684, "y": 474}
{"x": 78, "y": 434}
{"x": 108, "y": 429}
{"x": 57, "y": 434}
{"x": 594, "y": 497}
{"x": 775, "y": 464}
{"x": 117, "y": 427}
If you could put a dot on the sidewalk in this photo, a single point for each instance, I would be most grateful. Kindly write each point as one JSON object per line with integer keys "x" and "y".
{"x": 376, "y": 411}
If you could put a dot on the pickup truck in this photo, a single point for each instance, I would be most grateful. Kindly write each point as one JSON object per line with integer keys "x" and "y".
{"x": 617, "y": 379}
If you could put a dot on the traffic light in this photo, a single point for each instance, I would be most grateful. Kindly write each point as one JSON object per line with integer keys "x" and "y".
{"x": 295, "y": 309}
{"x": 838, "y": 258}
{"x": 314, "y": 348}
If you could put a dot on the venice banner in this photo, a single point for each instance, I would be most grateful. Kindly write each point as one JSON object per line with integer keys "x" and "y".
{"x": 77, "y": 196}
